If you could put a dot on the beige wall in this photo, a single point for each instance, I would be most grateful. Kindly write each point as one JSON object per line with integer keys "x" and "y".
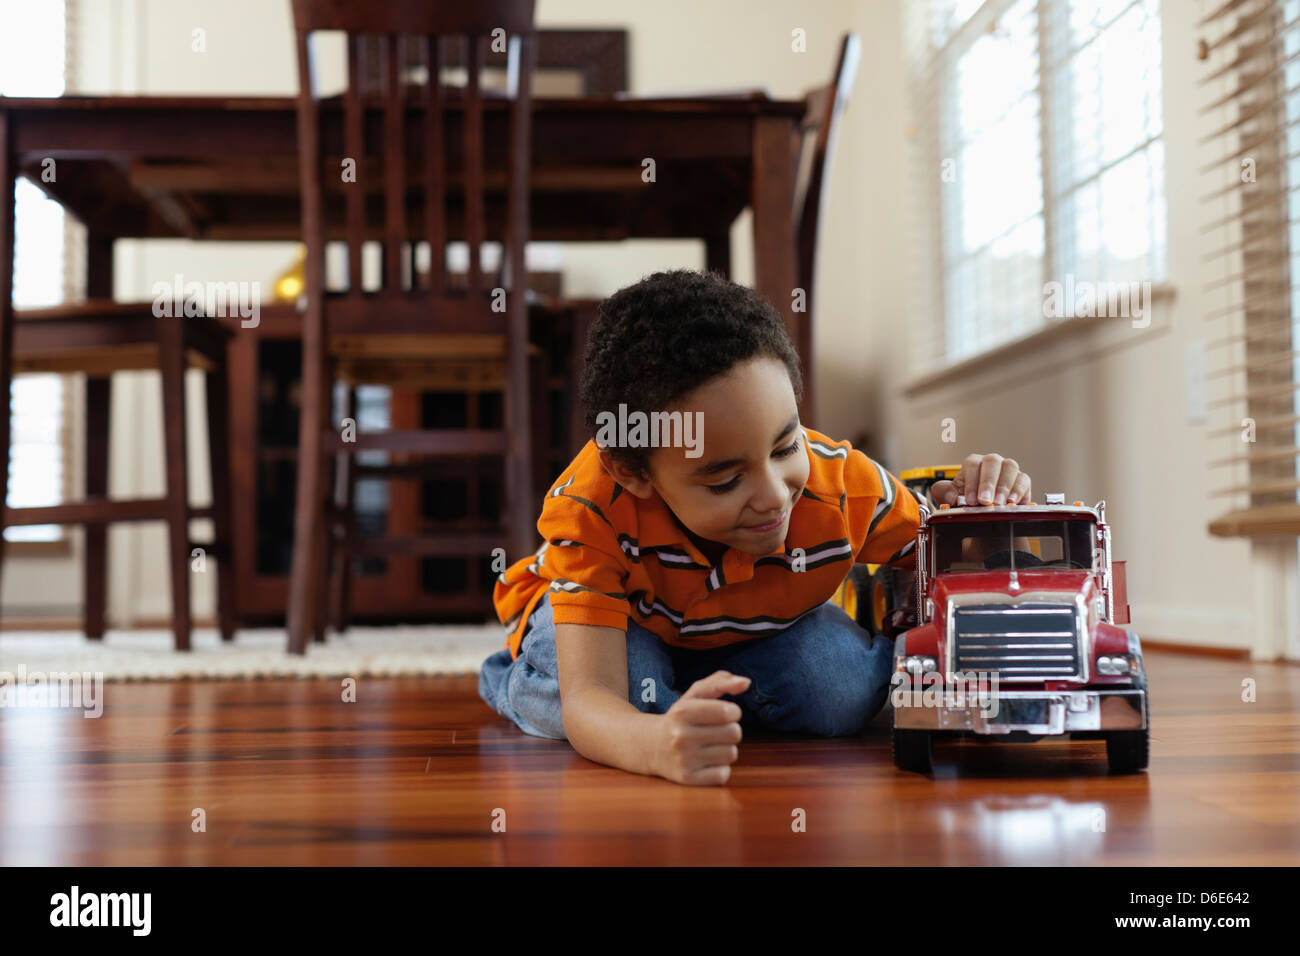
{"x": 1097, "y": 415}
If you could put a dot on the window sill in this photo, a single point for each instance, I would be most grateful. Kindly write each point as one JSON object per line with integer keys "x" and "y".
{"x": 1266, "y": 519}
{"x": 1025, "y": 345}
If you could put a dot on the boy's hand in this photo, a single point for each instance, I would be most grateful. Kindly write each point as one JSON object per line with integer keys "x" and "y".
{"x": 700, "y": 732}
{"x": 985, "y": 480}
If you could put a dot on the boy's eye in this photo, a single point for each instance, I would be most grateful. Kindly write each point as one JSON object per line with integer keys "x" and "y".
{"x": 724, "y": 488}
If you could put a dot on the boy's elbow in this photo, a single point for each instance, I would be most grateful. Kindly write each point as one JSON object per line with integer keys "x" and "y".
{"x": 586, "y": 731}
{"x": 574, "y": 711}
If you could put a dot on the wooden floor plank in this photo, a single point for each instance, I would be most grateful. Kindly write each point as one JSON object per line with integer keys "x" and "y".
{"x": 414, "y": 771}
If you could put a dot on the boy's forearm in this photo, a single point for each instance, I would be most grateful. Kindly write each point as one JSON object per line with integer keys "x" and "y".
{"x": 606, "y": 728}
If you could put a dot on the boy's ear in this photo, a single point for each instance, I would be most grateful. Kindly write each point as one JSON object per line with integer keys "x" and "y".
{"x": 637, "y": 484}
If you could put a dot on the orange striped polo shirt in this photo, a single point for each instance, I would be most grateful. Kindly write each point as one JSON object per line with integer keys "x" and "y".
{"x": 608, "y": 555}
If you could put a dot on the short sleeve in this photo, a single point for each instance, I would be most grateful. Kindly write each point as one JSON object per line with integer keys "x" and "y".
{"x": 583, "y": 562}
{"x": 883, "y": 514}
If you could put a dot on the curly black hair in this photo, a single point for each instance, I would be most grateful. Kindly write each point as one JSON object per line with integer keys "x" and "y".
{"x": 655, "y": 341}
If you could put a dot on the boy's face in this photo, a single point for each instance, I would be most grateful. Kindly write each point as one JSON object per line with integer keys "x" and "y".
{"x": 753, "y": 464}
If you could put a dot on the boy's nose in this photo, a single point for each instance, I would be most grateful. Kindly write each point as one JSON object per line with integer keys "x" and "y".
{"x": 769, "y": 505}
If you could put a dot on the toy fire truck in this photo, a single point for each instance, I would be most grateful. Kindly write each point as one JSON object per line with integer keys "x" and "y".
{"x": 1018, "y": 634}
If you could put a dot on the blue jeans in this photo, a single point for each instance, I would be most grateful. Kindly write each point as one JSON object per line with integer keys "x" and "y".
{"x": 823, "y": 675}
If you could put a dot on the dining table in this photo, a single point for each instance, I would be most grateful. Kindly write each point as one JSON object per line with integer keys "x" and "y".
{"x": 605, "y": 167}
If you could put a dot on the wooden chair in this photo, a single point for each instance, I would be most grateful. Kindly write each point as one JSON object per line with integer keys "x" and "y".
{"x": 457, "y": 380}
{"x": 399, "y": 335}
{"x": 98, "y": 338}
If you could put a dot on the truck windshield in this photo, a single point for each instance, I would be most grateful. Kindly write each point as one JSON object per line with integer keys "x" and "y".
{"x": 1044, "y": 543}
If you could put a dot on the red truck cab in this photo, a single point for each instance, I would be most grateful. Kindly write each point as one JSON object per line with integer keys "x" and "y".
{"x": 1019, "y": 634}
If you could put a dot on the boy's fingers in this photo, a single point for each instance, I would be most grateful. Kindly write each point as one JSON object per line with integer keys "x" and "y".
{"x": 1021, "y": 491}
{"x": 719, "y": 755}
{"x": 708, "y": 776}
{"x": 1006, "y": 480}
{"x": 968, "y": 479}
{"x": 979, "y": 478}
{"x": 990, "y": 469}
{"x": 699, "y": 711}
{"x": 717, "y": 684}
{"x": 944, "y": 492}
{"x": 990, "y": 480}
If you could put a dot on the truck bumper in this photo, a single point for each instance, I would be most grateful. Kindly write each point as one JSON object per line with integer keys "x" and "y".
{"x": 1028, "y": 711}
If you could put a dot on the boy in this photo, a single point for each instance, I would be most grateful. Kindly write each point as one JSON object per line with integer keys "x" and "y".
{"x": 676, "y": 573}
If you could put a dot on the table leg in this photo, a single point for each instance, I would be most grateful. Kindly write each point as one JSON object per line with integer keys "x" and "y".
{"x": 99, "y": 285}
{"x": 94, "y": 563}
{"x": 171, "y": 366}
{"x": 772, "y": 198}
{"x": 8, "y": 175}
{"x": 310, "y": 502}
{"x": 217, "y": 403}
{"x": 340, "y": 565}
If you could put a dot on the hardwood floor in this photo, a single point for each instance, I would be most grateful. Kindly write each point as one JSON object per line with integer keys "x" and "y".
{"x": 416, "y": 769}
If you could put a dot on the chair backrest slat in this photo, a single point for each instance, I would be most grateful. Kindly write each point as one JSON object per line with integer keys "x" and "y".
{"x": 391, "y": 32}
{"x": 394, "y": 163}
{"x": 354, "y": 148}
{"x": 435, "y": 202}
{"x": 313, "y": 215}
{"x": 473, "y": 171}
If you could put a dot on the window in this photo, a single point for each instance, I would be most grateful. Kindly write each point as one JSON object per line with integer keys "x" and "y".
{"x": 1041, "y": 120}
{"x": 32, "y": 64}
{"x": 1047, "y": 544}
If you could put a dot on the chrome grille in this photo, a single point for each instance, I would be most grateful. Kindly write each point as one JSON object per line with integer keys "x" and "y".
{"x": 1017, "y": 641}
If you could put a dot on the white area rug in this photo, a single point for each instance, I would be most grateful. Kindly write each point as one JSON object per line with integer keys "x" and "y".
{"x": 361, "y": 652}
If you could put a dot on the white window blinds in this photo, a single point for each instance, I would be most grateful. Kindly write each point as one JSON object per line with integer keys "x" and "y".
{"x": 1251, "y": 54}
{"x": 1038, "y": 127}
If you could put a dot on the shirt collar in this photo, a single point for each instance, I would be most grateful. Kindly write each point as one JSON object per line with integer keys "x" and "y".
{"x": 658, "y": 528}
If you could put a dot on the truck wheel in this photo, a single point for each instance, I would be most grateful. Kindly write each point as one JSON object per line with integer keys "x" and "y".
{"x": 881, "y": 590}
{"x": 873, "y": 597}
{"x": 859, "y": 583}
{"x": 913, "y": 750}
{"x": 1128, "y": 750}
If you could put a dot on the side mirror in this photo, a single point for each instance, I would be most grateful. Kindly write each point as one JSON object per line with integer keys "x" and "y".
{"x": 922, "y": 572}
{"x": 1119, "y": 592}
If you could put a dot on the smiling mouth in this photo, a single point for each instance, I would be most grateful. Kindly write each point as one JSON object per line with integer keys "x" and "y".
{"x": 770, "y": 526}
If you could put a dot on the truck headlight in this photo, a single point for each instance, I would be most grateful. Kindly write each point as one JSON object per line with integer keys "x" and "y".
{"x": 1116, "y": 665}
{"x": 916, "y": 665}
